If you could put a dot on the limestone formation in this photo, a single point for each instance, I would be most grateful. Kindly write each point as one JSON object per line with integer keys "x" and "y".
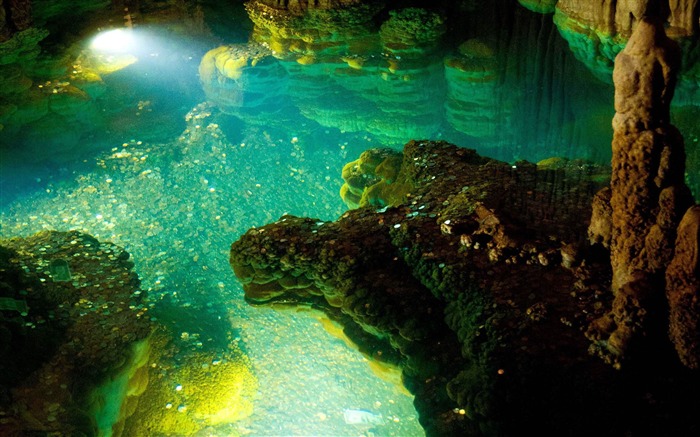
{"x": 683, "y": 290}
{"x": 301, "y": 6}
{"x": 15, "y": 16}
{"x": 473, "y": 104}
{"x": 244, "y": 80}
{"x": 684, "y": 17}
{"x": 648, "y": 195}
{"x": 370, "y": 180}
{"x": 76, "y": 318}
{"x": 597, "y": 31}
{"x": 648, "y": 189}
{"x": 481, "y": 258}
{"x": 310, "y": 32}
{"x": 608, "y": 16}
{"x": 382, "y": 78}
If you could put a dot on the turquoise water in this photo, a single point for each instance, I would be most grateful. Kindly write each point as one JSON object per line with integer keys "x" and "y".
{"x": 174, "y": 180}
{"x": 176, "y": 207}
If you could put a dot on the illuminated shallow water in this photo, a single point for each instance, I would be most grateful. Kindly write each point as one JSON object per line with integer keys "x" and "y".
{"x": 179, "y": 189}
{"x": 176, "y": 208}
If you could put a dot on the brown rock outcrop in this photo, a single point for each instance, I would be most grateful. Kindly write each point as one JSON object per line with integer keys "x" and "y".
{"x": 648, "y": 190}
{"x": 79, "y": 317}
{"x": 619, "y": 17}
{"x": 683, "y": 290}
{"x": 648, "y": 194}
{"x": 684, "y": 17}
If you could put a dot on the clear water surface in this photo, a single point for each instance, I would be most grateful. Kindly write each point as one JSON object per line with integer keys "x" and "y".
{"x": 179, "y": 181}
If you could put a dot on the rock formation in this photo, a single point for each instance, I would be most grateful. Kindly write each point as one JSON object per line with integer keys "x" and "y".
{"x": 683, "y": 290}
{"x": 382, "y": 78}
{"x": 684, "y": 17}
{"x": 648, "y": 195}
{"x": 244, "y": 80}
{"x": 597, "y": 31}
{"x": 310, "y": 32}
{"x": 472, "y": 254}
{"x": 370, "y": 180}
{"x": 608, "y": 16}
{"x": 82, "y": 353}
{"x": 476, "y": 274}
{"x": 76, "y": 318}
{"x": 473, "y": 104}
{"x": 15, "y": 16}
{"x": 541, "y": 6}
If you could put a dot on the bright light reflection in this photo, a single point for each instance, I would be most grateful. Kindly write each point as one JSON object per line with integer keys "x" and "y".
{"x": 114, "y": 41}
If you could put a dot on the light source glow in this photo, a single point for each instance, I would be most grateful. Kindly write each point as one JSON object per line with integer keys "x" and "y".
{"x": 114, "y": 41}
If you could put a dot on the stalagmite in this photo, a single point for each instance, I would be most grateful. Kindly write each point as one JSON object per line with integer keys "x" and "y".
{"x": 683, "y": 290}
{"x": 648, "y": 192}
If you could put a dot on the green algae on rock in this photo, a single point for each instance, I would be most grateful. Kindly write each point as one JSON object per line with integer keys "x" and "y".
{"x": 371, "y": 179}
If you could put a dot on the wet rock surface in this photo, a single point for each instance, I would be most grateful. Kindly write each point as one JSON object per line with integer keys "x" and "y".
{"x": 648, "y": 195}
{"x": 598, "y": 31}
{"x": 71, "y": 312}
{"x": 683, "y": 289}
{"x": 480, "y": 279}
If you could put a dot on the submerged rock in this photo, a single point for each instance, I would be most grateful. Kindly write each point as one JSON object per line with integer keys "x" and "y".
{"x": 75, "y": 323}
{"x": 370, "y": 178}
{"x": 480, "y": 278}
{"x": 83, "y": 354}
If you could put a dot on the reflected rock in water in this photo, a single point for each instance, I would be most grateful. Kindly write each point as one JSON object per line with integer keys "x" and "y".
{"x": 413, "y": 78}
{"x": 540, "y": 6}
{"x": 598, "y": 31}
{"x": 346, "y": 73}
{"x": 245, "y": 80}
{"x": 474, "y": 103}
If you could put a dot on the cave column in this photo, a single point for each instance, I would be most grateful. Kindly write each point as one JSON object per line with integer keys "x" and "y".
{"x": 648, "y": 195}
